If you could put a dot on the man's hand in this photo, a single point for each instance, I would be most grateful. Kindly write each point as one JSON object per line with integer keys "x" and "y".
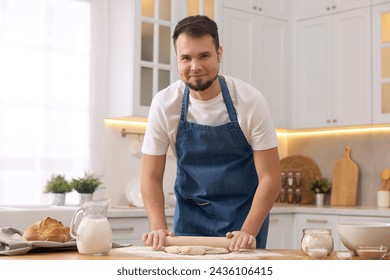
{"x": 156, "y": 238}
{"x": 240, "y": 240}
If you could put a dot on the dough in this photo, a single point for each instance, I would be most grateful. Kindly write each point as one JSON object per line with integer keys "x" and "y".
{"x": 195, "y": 250}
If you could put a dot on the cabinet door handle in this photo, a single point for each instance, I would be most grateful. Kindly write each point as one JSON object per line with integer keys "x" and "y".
{"x": 334, "y": 120}
{"x": 317, "y": 221}
{"x": 254, "y": 8}
{"x": 328, "y": 8}
{"x": 274, "y": 221}
{"x": 334, "y": 7}
{"x": 124, "y": 228}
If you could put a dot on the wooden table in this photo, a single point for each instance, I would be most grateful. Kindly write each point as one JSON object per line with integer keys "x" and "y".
{"x": 121, "y": 254}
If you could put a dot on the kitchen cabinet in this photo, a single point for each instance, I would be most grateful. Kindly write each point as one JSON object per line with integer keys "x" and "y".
{"x": 255, "y": 50}
{"x": 280, "y": 234}
{"x": 381, "y": 63}
{"x": 141, "y": 56}
{"x": 271, "y": 8}
{"x": 333, "y": 70}
{"x": 129, "y": 230}
{"x": 309, "y": 8}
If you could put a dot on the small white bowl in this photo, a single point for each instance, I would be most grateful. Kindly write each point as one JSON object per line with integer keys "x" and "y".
{"x": 344, "y": 255}
{"x": 318, "y": 253}
{"x": 372, "y": 253}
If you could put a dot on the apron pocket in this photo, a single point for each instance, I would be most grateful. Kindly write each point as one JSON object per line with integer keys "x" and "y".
{"x": 203, "y": 203}
{"x": 197, "y": 218}
{"x": 206, "y": 208}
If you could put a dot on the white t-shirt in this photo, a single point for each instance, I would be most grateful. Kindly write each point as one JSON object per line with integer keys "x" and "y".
{"x": 251, "y": 109}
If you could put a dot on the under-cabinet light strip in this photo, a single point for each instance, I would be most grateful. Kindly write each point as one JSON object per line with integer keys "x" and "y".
{"x": 138, "y": 126}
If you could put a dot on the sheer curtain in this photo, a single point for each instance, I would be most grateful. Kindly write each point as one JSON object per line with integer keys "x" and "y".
{"x": 51, "y": 94}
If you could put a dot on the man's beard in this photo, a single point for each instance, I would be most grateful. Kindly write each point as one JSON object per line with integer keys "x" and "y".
{"x": 199, "y": 86}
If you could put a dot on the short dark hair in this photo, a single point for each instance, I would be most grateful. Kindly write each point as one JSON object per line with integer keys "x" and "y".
{"x": 197, "y": 26}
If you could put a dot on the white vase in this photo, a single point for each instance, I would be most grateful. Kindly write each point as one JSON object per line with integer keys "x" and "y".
{"x": 58, "y": 199}
{"x": 320, "y": 198}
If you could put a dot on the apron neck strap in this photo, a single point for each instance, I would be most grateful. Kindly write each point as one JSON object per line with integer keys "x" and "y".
{"x": 226, "y": 97}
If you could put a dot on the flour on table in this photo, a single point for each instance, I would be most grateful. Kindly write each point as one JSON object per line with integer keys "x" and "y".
{"x": 148, "y": 252}
{"x": 195, "y": 250}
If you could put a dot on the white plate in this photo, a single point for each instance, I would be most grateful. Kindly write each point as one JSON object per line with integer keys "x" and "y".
{"x": 133, "y": 193}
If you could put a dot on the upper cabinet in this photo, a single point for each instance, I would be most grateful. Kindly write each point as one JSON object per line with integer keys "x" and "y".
{"x": 314, "y": 8}
{"x": 381, "y": 63}
{"x": 315, "y": 62}
{"x": 140, "y": 55}
{"x": 333, "y": 70}
{"x": 140, "y": 51}
{"x": 255, "y": 51}
{"x": 271, "y": 8}
{"x": 154, "y": 62}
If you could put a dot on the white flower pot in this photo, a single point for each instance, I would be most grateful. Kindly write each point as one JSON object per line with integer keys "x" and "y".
{"x": 59, "y": 199}
{"x": 85, "y": 197}
{"x": 320, "y": 198}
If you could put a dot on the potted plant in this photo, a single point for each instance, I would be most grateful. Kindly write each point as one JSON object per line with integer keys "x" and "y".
{"x": 320, "y": 187}
{"x": 59, "y": 186}
{"x": 85, "y": 186}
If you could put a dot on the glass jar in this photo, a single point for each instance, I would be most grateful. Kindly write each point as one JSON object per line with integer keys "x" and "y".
{"x": 317, "y": 238}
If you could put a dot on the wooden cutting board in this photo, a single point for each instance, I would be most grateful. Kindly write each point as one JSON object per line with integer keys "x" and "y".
{"x": 345, "y": 181}
{"x": 386, "y": 179}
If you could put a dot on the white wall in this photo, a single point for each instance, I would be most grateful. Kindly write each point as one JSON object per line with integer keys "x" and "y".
{"x": 123, "y": 163}
{"x": 370, "y": 151}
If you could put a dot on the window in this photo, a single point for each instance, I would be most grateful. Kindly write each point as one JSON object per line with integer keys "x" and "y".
{"x": 51, "y": 94}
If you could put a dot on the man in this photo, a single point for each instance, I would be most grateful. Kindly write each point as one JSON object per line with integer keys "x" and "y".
{"x": 219, "y": 128}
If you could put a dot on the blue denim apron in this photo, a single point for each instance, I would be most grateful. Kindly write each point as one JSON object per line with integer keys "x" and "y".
{"x": 216, "y": 176}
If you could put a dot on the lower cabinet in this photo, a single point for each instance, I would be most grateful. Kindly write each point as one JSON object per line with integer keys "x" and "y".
{"x": 286, "y": 230}
{"x": 129, "y": 229}
{"x": 281, "y": 233}
{"x": 170, "y": 223}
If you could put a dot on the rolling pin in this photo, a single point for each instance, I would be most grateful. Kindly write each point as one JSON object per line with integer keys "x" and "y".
{"x": 217, "y": 242}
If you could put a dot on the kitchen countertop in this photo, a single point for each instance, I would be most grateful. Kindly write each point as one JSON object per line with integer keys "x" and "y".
{"x": 279, "y": 208}
{"x": 124, "y": 254}
{"x": 331, "y": 210}
{"x": 119, "y": 211}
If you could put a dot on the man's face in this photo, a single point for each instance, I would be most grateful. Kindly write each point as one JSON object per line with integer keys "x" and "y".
{"x": 197, "y": 61}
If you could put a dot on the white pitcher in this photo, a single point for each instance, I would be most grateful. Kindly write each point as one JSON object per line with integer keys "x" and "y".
{"x": 94, "y": 233}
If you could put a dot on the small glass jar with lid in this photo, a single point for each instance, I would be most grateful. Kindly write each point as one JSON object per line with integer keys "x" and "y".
{"x": 317, "y": 238}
